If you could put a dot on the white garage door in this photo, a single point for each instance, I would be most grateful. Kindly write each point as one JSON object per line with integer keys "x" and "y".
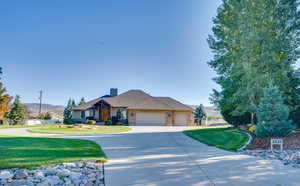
{"x": 148, "y": 118}
{"x": 181, "y": 119}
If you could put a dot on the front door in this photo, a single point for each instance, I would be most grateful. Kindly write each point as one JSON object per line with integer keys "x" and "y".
{"x": 105, "y": 115}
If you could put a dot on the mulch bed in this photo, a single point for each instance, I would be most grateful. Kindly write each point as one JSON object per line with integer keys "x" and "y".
{"x": 291, "y": 142}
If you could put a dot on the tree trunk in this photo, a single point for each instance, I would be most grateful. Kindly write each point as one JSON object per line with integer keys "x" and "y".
{"x": 252, "y": 118}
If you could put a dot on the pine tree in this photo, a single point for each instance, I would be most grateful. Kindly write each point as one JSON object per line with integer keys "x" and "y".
{"x": 273, "y": 114}
{"x": 73, "y": 103}
{"x": 68, "y": 112}
{"x": 82, "y": 101}
{"x": 17, "y": 115}
{"x": 199, "y": 114}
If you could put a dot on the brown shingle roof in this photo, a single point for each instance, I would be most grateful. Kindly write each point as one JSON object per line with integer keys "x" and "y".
{"x": 137, "y": 99}
{"x": 176, "y": 105}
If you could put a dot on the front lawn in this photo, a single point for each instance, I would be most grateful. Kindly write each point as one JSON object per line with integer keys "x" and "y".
{"x": 224, "y": 138}
{"x": 15, "y": 126}
{"x": 78, "y": 129}
{"x": 28, "y": 152}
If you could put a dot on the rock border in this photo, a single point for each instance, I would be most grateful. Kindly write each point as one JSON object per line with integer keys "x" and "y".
{"x": 87, "y": 173}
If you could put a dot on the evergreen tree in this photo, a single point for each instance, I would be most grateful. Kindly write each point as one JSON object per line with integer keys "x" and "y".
{"x": 73, "y": 103}
{"x": 273, "y": 115}
{"x": 254, "y": 41}
{"x": 82, "y": 101}
{"x": 199, "y": 114}
{"x": 17, "y": 115}
{"x": 68, "y": 112}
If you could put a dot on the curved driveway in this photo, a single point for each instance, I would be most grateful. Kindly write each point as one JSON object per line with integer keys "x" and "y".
{"x": 165, "y": 156}
{"x": 150, "y": 156}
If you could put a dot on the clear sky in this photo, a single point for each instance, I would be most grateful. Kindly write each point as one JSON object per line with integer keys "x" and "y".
{"x": 74, "y": 48}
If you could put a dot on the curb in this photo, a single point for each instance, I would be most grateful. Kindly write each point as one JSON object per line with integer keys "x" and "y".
{"x": 248, "y": 142}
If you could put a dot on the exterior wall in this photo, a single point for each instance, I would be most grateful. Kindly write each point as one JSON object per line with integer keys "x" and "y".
{"x": 131, "y": 115}
{"x": 97, "y": 115}
{"x": 113, "y": 111}
{"x": 76, "y": 115}
{"x": 191, "y": 119}
{"x": 169, "y": 118}
{"x": 40, "y": 122}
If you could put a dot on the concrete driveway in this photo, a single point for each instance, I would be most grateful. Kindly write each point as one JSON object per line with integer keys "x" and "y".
{"x": 165, "y": 156}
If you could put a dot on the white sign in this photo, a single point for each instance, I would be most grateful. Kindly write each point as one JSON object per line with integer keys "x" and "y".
{"x": 277, "y": 141}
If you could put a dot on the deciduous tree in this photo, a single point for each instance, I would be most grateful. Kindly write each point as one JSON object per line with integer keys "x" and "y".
{"x": 254, "y": 41}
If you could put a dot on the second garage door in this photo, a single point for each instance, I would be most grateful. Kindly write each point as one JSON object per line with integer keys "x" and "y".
{"x": 181, "y": 119}
{"x": 150, "y": 118}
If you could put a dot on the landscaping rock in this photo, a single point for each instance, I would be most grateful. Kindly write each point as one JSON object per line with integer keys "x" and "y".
{"x": 20, "y": 174}
{"x": 4, "y": 175}
{"x": 66, "y": 174}
{"x": 287, "y": 157}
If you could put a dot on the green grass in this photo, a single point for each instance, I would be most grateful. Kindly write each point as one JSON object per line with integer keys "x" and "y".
{"x": 14, "y": 126}
{"x": 29, "y": 152}
{"x": 224, "y": 138}
{"x": 55, "y": 129}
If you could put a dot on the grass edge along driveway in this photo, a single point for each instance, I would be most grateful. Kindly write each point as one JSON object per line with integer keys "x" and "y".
{"x": 55, "y": 129}
{"x": 30, "y": 152}
{"x": 224, "y": 138}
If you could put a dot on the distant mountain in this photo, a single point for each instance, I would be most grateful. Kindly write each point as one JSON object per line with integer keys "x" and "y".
{"x": 210, "y": 110}
{"x": 55, "y": 110}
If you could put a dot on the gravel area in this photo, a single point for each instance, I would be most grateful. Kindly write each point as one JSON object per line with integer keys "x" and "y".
{"x": 260, "y": 147}
{"x": 71, "y": 174}
{"x": 287, "y": 157}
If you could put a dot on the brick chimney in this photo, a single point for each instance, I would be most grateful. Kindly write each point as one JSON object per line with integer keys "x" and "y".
{"x": 113, "y": 92}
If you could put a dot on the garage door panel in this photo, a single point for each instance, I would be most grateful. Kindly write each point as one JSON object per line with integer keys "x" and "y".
{"x": 181, "y": 119}
{"x": 148, "y": 118}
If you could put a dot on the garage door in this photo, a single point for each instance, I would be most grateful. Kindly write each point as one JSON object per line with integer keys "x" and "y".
{"x": 181, "y": 119}
{"x": 148, "y": 118}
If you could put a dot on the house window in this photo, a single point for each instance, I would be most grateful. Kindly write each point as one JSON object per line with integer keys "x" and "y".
{"x": 121, "y": 114}
{"x": 92, "y": 113}
{"x": 83, "y": 114}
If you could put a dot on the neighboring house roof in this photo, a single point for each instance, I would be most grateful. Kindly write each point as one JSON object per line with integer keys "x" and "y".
{"x": 137, "y": 99}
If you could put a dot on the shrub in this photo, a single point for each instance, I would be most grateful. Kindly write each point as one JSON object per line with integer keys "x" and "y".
{"x": 45, "y": 116}
{"x": 108, "y": 122}
{"x": 252, "y": 129}
{"x": 120, "y": 123}
{"x": 114, "y": 120}
{"x": 91, "y": 122}
{"x": 69, "y": 121}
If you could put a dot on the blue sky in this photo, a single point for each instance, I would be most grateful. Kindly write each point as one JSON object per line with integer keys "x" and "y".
{"x": 78, "y": 48}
